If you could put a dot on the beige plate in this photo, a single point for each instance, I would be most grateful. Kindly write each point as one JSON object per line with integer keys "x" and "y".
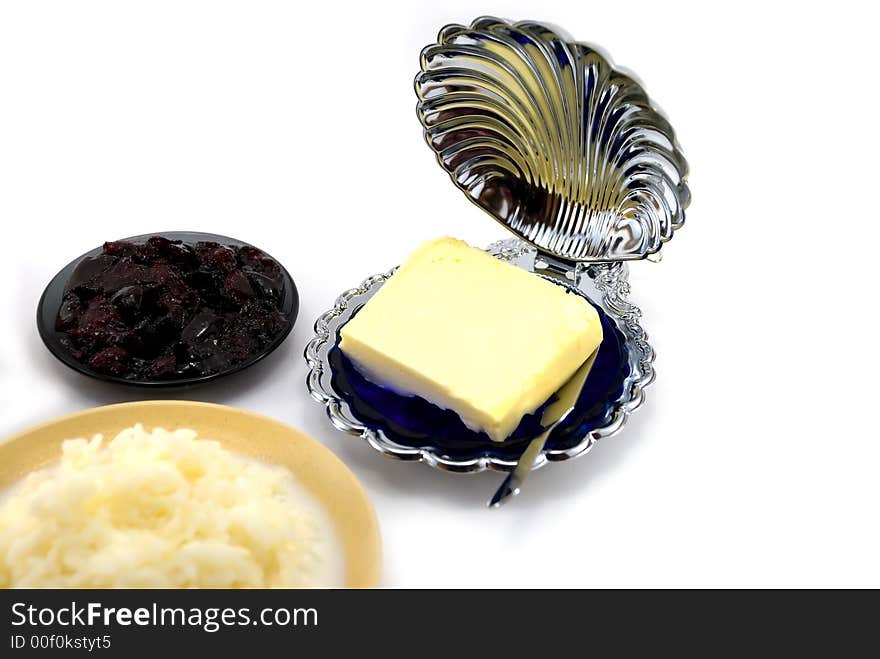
{"x": 246, "y": 433}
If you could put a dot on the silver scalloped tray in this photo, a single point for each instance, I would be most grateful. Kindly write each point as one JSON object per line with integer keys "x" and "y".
{"x": 604, "y": 283}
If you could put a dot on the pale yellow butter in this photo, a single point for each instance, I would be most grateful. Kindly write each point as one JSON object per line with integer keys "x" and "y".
{"x": 472, "y": 334}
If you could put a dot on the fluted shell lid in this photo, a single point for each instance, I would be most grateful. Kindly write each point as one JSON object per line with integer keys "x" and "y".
{"x": 553, "y": 142}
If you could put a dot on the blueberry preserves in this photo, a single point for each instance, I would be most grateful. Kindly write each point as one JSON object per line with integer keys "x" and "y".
{"x": 164, "y": 309}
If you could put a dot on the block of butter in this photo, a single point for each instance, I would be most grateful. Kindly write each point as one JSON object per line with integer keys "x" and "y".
{"x": 472, "y": 334}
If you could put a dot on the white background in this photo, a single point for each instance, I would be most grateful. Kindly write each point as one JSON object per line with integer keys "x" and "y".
{"x": 292, "y": 126}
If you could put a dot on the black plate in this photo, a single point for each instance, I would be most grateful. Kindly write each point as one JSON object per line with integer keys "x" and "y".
{"x": 50, "y": 302}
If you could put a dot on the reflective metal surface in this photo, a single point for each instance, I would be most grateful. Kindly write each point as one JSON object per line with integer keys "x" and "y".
{"x": 604, "y": 283}
{"x": 552, "y": 141}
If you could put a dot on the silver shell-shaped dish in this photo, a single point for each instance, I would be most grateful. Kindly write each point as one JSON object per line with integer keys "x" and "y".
{"x": 544, "y": 134}
{"x": 604, "y": 283}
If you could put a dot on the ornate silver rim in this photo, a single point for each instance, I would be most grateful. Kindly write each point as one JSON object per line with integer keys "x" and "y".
{"x": 604, "y": 283}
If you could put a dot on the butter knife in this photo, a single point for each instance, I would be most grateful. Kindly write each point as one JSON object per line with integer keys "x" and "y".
{"x": 555, "y": 413}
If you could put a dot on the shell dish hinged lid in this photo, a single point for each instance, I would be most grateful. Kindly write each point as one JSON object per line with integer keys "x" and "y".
{"x": 546, "y": 136}
{"x": 569, "y": 154}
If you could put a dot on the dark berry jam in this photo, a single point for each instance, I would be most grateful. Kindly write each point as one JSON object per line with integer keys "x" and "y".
{"x": 164, "y": 309}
